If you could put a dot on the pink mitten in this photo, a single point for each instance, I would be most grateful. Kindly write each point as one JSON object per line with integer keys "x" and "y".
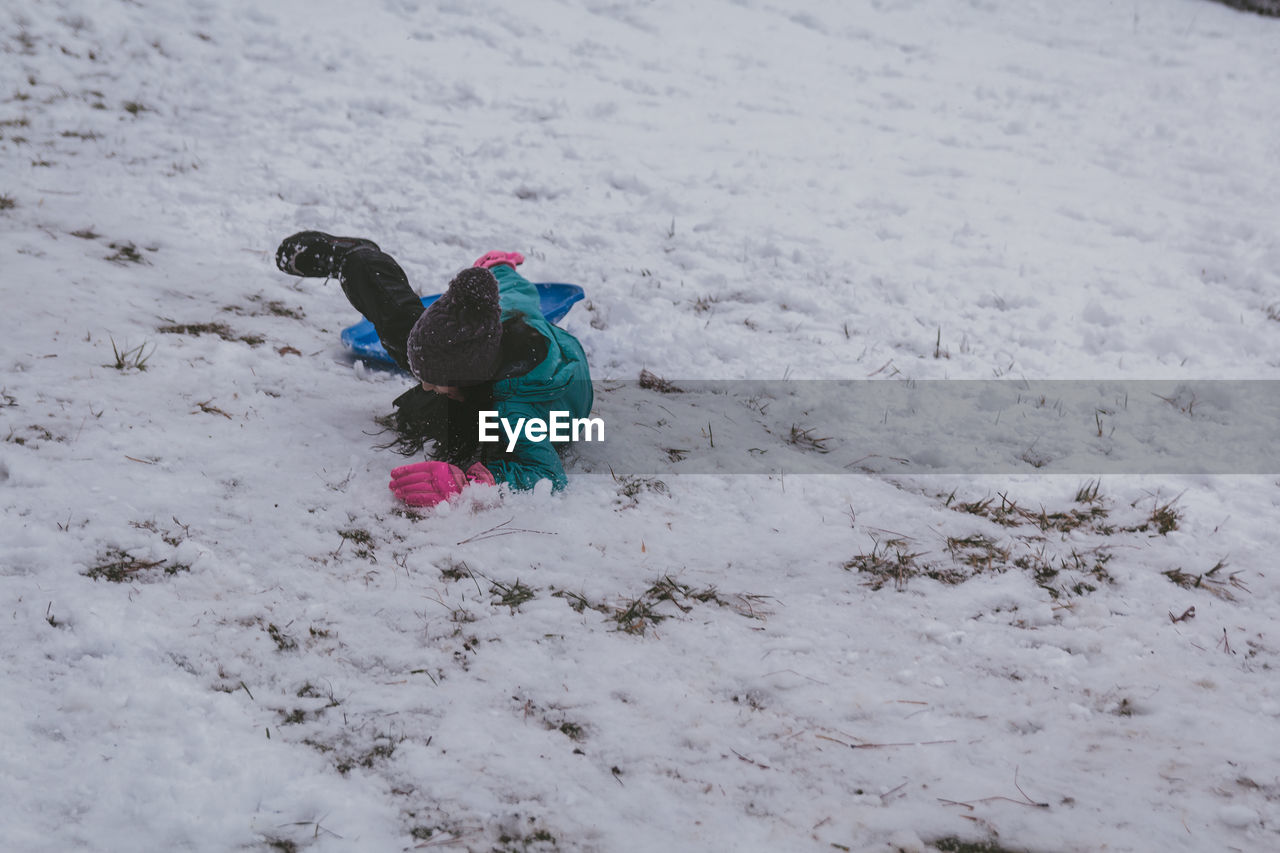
{"x": 429, "y": 483}
{"x": 492, "y": 259}
{"x": 477, "y": 473}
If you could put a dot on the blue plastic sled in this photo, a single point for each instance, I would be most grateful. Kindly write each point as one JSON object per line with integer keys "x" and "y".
{"x": 556, "y": 299}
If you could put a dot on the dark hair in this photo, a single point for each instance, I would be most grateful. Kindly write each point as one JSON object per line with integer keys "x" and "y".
{"x": 423, "y": 417}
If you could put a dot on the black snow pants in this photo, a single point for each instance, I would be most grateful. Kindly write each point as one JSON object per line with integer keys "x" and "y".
{"x": 380, "y": 290}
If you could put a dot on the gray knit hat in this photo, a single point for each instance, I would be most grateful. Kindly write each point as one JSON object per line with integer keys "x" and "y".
{"x": 456, "y": 340}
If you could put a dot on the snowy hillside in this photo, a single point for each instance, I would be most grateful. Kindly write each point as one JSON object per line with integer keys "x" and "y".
{"x": 223, "y": 633}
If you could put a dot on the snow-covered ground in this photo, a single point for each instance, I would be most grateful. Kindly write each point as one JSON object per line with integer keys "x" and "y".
{"x": 221, "y": 633}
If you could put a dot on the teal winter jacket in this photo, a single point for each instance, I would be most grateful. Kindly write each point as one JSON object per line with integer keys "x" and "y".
{"x": 561, "y": 382}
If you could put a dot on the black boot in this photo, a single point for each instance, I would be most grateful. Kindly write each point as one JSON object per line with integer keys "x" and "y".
{"x": 314, "y": 254}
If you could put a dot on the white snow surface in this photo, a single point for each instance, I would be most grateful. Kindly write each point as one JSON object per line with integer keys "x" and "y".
{"x": 920, "y": 189}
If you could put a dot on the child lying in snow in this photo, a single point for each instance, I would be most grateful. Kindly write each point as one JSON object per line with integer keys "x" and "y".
{"x": 482, "y": 346}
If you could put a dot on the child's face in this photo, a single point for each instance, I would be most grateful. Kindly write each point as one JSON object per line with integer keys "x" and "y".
{"x": 450, "y": 391}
